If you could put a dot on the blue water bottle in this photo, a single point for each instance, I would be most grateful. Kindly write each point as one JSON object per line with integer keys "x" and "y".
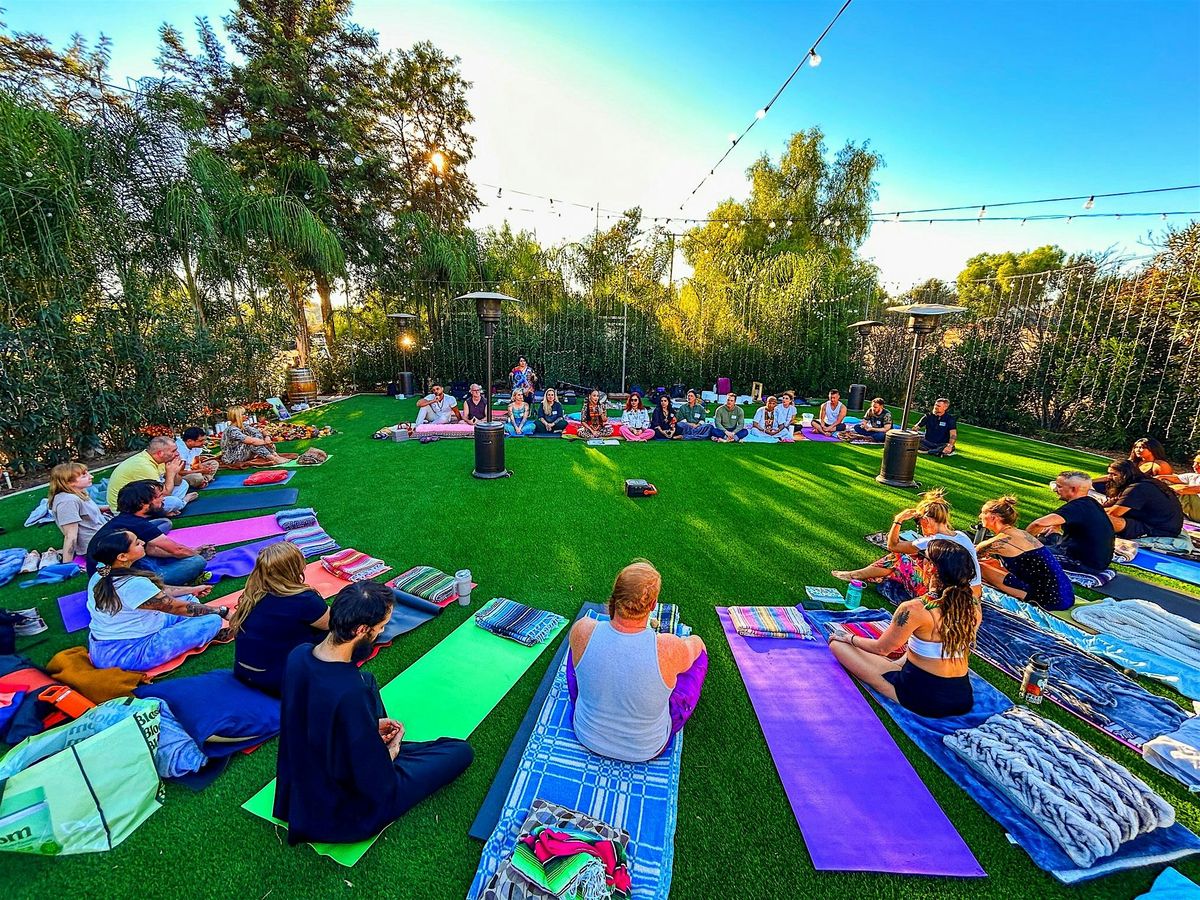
{"x": 854, "y": 595}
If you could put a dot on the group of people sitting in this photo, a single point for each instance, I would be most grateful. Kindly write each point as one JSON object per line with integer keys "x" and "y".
{"x": 1144, "y": 497}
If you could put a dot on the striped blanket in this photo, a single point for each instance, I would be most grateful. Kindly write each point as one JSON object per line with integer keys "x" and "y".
{"x": 289, "y": 519}
{"x": 352, "y": 565}
{"x": 312, "y": 541}
{"x": 427, "y": 583}
{"x": 518, "y": 622}
{"x": 770, "y": 622}
{"x": 665, "y": 618}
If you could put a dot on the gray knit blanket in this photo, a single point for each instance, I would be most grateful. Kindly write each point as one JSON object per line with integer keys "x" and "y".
{"x": 1144, "y": 625}
{"x": 1086, "y": 802}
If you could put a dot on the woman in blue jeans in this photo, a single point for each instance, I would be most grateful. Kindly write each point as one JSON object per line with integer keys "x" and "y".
{"x": 632, "y": 688}
{"x": 137, "y": 622}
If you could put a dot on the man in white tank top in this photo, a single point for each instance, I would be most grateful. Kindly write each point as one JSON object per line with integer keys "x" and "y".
{"x": 831, "y": 416}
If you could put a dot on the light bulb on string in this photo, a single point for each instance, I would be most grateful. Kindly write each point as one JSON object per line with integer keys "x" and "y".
{"x": 814, "y": 58}
{"x": 499, "y": 191}
{"x": 1091, "y": 201}
{"x": 982, "y": 211}
{"x": 733, "y": 138}
{"x": 358, "y": 160}
{"x": 28, "y": 174}
{"x": 1023, "y": 221}
{"x": 771, "y": 224}
{"x": 1164, "y": 217}
{"x": 761, "y": 114}
{"x": 1069, "y": 218}
{"x": 897, "y": 218}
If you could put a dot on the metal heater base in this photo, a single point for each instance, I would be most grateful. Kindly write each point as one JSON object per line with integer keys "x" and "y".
{"x": 899, "y": 462}
{"x": 489, "y": 451}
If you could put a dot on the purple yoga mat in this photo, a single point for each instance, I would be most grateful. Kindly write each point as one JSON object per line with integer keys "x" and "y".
{"x": 860, "y": 805}
{"x": 810, "y": 435}
{"x": 221, "y": 533}
{"x": 74, "y": 611}
{"x": 238, "y": 561}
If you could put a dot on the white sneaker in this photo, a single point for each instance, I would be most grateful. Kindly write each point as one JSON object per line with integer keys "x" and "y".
{"x": 32, "y": 558}
{"x": 49, "y": 558}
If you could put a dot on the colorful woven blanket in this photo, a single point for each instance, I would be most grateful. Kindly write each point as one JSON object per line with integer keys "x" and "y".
{"x": 289, "y": 519}
{"x": 770, "y": 622}
{"x": 518, "y": 622}
{"x": 352, "y": 565}
{"x": 427, "y": 583}
{"x": 566, "y": 854}
{"x": 312, "y": 541}
{"x": 665, "y": 618}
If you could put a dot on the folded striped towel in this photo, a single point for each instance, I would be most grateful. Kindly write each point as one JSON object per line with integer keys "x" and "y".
{"x": 517, "y": 622}
{"x": 312, "y": 541}
{"x": 665, "y": 618}
{"x": 353, "y": 565}
{"x": 427, "y": 583}
{"x": 770, "y": 622}
{"x": 289, "y": 519}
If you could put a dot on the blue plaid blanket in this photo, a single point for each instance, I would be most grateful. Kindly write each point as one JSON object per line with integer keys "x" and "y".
{"x": 639, "y": 798}
{"x": 518, "y": 622}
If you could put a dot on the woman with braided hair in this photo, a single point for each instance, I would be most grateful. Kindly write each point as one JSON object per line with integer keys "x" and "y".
{"x": 632, "y": 688}
{"x": 938, "y": 631}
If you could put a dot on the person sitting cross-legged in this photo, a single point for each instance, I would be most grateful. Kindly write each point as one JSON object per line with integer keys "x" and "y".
{"x": 765, "y": 429}
{"x": 939, "y": 430}
{"x": 938, "y": 631}
{"x": 549, "y": 415}
{"x": 664, "y": 421}
{"x": 199, "y": 468}
{"x": 436, "y": 407}
{"x": 875, "y": 424}
{"x": 785, "y": 416}
{"x": 344, "y": 771}
{"x": 1017, "y": 563}
{"x": 635, "y": 421}
{"x": 593, "y": 419}
{"x": 139, "y": 510}
{"x": 474, "y": 408}
{"x": 693, "y": 422}
{"x": 518, "y": 421}
{"x": 244, "y": 446}
{"x": 136, "y": 621}
{"x": 729, "y": 422}
{"x": 1139, "y": 505}
{"x": 1079, "y": 532}
{"x": 632, "y": 688}
{"x": 158, "y": 462}
{"x": 831, "y": 416}
{"x": 1186, "y": 486}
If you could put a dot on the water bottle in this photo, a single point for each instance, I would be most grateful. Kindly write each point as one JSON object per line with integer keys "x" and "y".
{"x": 854, "y": 595}
{"x": 1033, "y": 679}
{"x": 462, "y": 579}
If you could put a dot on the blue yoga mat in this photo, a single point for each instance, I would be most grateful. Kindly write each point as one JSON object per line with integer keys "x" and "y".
{"x": 1186, "y": 570}
{"x": 229, "y": 482}
{"x": 489, "y": 813}
{"x": 1160, "y": 846}
{"x": 221, "y": 503}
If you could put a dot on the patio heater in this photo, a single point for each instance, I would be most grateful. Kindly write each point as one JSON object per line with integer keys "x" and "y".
{"x": 900, "y": 445}
{"x": 858, "y": 392}
{"x": 406, "y": 378}
{"x": 489, "y": 435}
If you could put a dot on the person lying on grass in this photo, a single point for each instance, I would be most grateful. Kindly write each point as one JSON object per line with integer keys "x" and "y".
{"x": 632, "y": 688}
{"x": 136, "y": 621}
{"x": 1017, "y": 563}
{"x": 277, "y": 613}
{"x": 938, "y": 631}
{"x": 243, "y": 446}
{"x": 1140, "y": 505}
{"x": 344, "y": 770}
{"x": 1186, "y": 486}
{"x": 905, "y": 572}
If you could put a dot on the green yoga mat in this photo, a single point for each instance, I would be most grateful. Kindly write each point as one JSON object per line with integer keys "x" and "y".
{"x": 445, "y": 693}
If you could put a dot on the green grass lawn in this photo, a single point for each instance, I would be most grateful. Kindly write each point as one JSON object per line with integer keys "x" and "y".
{"x": 730, "y": 524}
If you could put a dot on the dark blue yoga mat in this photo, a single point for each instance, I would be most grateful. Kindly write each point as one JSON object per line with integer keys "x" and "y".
{"x": 1123, "y": 587}
{"x": 408, "y": 612}
{"x": 488, "y": 816}
{"x": 231, "y": 482}
{"x": 221, "y": 503}
{"x": 1155, "y": 848}
{"x": 1177, "y": 567}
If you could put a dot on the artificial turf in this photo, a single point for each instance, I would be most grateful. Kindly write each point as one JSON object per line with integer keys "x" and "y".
{"x": 730, "y": 524}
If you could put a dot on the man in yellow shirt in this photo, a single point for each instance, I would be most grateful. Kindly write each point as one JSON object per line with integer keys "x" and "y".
{"x": 158, "y": 462}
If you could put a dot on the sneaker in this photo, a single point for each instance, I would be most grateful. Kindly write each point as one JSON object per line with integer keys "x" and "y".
{"x": 49, "y": 558}
{"x": 32, "y": 558}
{"x": 203, "y": 578}
{"x": 949, "y": 452}
{"x": 30, "y": 623}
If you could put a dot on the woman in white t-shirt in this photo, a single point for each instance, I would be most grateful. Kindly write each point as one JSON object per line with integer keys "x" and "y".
{"x": 905, "y": 573}
{"x": 75, "y": 513}
{"x": 137, "y": 622}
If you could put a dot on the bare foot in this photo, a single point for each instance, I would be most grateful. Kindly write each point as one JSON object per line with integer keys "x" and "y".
{"x": 842, "y": 575}
{"x": 190, "y": 497}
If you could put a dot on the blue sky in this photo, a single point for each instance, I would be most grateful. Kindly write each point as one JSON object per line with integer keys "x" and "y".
{"x": 630, "y": 103}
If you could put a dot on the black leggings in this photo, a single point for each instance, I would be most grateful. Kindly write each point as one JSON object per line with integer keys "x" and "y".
{"x": 933, "y": 696}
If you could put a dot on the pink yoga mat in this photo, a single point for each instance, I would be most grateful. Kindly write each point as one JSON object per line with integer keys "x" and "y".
{"x": 860, "y": 804}
{"x": 810, "y": 435}
{"x": 233, "y": 532}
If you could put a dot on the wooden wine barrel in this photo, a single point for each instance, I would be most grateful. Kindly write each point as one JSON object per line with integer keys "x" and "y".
{"x": 302, "y": 385}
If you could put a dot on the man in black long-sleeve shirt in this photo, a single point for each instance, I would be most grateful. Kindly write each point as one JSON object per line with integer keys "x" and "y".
{"x": 343, "y": 772}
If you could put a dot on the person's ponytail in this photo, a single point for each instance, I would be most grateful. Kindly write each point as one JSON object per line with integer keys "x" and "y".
{"x": 105, "y": 550}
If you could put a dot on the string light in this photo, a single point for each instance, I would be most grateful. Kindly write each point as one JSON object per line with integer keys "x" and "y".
{"x": 358, "y": 160}
{"x": 982, "y": 211}
{"x": 244, "y": 134}
{"x": 761, "y": 114}
{"x": 814, "y": 58}
{"x": 1090, "y": 202}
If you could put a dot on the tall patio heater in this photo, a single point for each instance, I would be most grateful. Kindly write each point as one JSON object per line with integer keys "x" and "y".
{"x": 900, "y": 446}
{"x": 489, "y": 435}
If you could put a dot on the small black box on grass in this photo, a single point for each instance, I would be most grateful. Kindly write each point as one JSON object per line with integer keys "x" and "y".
{"x": 637, "y": 487}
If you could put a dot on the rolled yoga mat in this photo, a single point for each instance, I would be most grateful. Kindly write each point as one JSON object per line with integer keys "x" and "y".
{"x": 233, "y": 532}
{"x": 1123, "y": 587}
{"x": 231, "y": 482}
{"x": 222, "y": 503}
{"x": 445, "y": 693}
{"x": 860, "y": 805}
{"x": 493, "y": 804}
